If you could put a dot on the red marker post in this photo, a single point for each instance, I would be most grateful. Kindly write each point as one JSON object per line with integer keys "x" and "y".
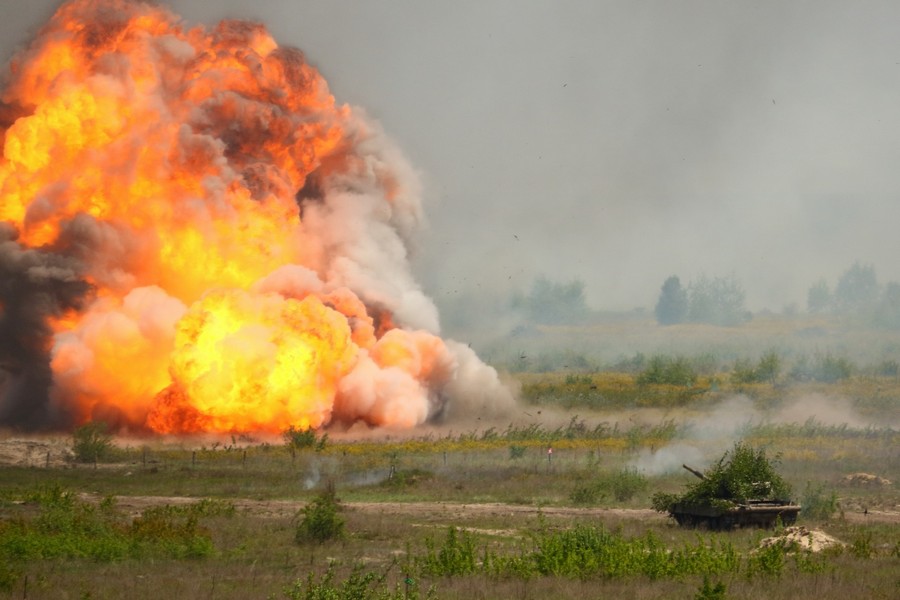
{"x": 549, "y": 456}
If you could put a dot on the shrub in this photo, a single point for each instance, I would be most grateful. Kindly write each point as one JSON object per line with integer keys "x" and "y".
{"x": 320, "y": 522}
{"x": 825, "y": 368}
{"x": 586, "y": 494}
{"x": 403, "y": 478}
{"x": 91, "y": 442}
{"x": 625, "y": 483}
{"x": 8, "y": 577}
{"x": 711, "y": 591}
{"x": 817, "y": 504}
{"x": 668, "y": 370}
{"x": 766, "y": 370}
{"x": 766, "y": 561}
{"x": 301, "y": 439}
{"x": 359, "y": 585}
{"x": 455, "y": 557}
{"x": 516, "y": 452}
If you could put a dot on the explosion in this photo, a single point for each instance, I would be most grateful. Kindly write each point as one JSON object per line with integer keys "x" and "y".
{"x": 194, "y": 236}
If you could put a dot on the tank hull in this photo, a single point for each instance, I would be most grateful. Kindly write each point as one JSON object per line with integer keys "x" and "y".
{"x": 721, "y": 517}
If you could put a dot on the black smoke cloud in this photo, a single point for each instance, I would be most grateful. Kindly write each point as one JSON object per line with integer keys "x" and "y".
{"x": 36, "y": 285}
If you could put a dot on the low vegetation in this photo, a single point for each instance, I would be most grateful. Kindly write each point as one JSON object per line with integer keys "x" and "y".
{"x": 285, "y": 517}
{"x": 92, "y": 442}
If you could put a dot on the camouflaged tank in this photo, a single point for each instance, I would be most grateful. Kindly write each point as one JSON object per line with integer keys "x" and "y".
{"x": 742, "y": 489}
{"x": 723, "y": 513}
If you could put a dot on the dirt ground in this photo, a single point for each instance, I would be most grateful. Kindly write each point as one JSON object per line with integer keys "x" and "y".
{"x": 444, "y": 511}
{"x": 423, "y": 510}
{"x": 34, "y": 452}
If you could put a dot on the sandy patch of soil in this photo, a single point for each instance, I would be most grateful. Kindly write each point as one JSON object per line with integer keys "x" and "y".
{"x": 865, "y": 480}
{"x": 801, "y": 538}
{"x": 35, "y": 452}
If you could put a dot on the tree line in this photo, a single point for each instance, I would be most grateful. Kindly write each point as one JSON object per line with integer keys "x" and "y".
{"x": 713, "y": 300}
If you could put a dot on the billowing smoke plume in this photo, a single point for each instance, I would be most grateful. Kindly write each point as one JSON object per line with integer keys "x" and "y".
{"x": 35, "y": 287}
{"x": 197, "y": 237}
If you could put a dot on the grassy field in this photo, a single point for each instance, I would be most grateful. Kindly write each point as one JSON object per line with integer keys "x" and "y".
{"x": 484, "y": 513}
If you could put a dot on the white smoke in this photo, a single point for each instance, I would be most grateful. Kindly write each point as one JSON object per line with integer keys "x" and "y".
{"x": 701, "y": 439}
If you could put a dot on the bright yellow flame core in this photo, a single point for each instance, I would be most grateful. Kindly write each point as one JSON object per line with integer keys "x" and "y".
{"x": 257, "y": 363}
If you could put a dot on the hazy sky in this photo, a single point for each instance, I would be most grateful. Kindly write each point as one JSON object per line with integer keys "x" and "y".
{"x": 618, "y": 142}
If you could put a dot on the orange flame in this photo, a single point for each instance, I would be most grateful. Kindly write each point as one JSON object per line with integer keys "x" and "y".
{"x": 170, "y": 160}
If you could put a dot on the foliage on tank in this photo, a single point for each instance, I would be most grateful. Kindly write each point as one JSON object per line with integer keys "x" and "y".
{"x": 743, "y": 473}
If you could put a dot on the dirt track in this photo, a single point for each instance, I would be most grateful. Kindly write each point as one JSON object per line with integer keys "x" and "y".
{"x": 448, "y": 510}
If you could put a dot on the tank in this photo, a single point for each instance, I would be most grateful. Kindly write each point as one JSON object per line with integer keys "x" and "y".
{"x": 727, "y": 513}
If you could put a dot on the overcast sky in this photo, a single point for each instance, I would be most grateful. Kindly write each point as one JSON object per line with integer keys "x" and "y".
{"x": 618, "y": 142}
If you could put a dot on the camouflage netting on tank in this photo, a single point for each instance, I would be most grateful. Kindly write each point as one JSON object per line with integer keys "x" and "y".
{"x": 741, "y": 474}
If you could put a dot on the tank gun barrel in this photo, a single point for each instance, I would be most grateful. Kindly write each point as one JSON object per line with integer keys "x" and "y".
{"x": 694, "y": 471}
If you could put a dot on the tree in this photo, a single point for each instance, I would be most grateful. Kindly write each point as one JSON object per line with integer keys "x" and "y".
{"x": 553, "y": 303}
{"x": 672, "y": 306}
{"x": 888, "y": 312}
{"x": 717, "y": 301}
{"x": 857, "y": 289}
{"x": 818, "y": 298}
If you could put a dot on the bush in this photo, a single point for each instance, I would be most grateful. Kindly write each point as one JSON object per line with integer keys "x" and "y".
{"x": 825, "y": 368}
{"x": 359, "y": 585}
{"x": 404, "y": 478}
{"x": 586, "y": 494}
{"x": 320, "y": 522}
{"x": 817, "y": 504}
{"x": 455, "y": 557}
{"x": 8, "y": 577}
{"x": 301, "y": 439}
{"x": 622, "y": 485}
{"x": 766, "y": 370}
{"x": 667, "y": 370}
{"x": 711, "y": 591}
{"x": 625, "y": 484}
{"x": 91, "y": 442}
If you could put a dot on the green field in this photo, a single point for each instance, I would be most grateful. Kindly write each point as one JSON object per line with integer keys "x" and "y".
{"x": 479, "y": 514}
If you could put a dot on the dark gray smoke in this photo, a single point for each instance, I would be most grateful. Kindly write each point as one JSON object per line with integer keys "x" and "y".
{"x": 35, "y": 286}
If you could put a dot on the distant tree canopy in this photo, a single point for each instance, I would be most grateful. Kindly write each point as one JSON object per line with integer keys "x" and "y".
{"x": 856, "y": 289}
{"x": 716, "y": 300}
{"x": 672, "y": 306}
{"x": 818, "y": 299}
{"x": 887, "y": 314}
{"x": 553, "y": 303}
{"x": 858, "y": 294}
